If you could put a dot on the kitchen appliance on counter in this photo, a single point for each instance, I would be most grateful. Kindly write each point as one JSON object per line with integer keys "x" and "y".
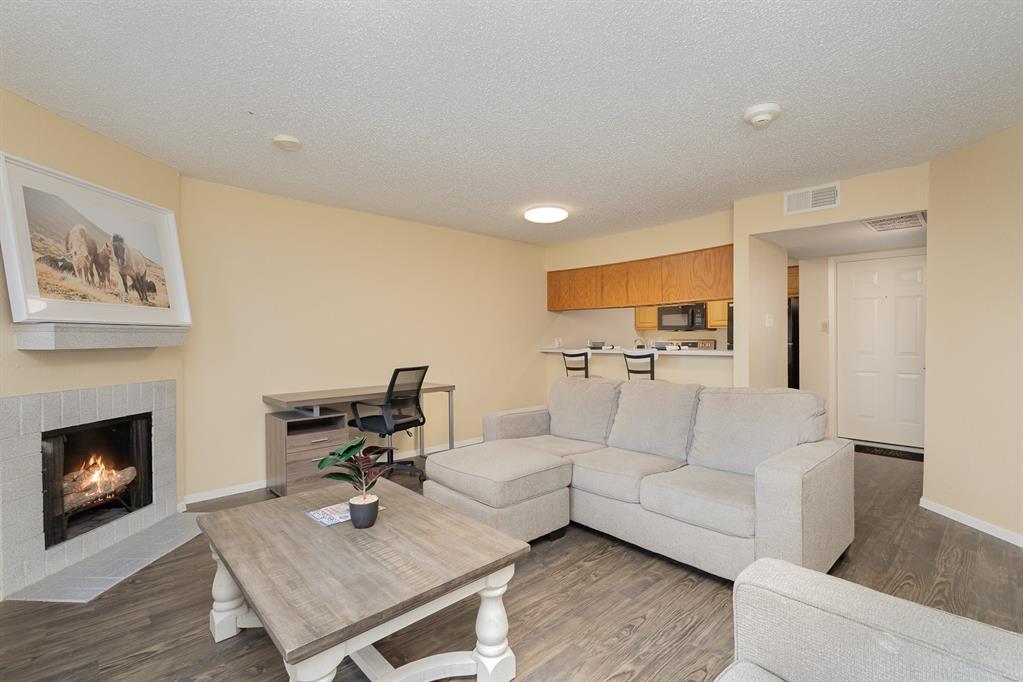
{"x": 682, "y": 318}
{"x": 686, "y": 344}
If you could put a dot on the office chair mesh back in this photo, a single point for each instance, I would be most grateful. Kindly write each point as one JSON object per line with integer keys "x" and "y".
{"x": 403, "y": 396}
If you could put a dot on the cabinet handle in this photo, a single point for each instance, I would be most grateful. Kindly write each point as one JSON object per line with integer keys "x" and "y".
{"x": 319, "y": 440}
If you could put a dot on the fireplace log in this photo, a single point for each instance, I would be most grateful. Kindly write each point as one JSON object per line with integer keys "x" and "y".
{"x": 110, "y": 484}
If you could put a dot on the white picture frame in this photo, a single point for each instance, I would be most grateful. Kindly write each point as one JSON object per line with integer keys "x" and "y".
{"x": 45, "y": 294}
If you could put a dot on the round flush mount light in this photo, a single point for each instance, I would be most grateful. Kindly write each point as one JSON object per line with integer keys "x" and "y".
{"x": 762, "y": 115}
{"x": 545, "y": 214}
{"x": 287, "y": 143}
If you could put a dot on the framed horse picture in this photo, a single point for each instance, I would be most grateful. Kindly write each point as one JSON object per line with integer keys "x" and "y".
{"x": 77, "y": 252}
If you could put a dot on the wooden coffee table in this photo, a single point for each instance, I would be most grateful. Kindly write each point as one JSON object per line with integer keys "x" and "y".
{"x": 326, "y": 593}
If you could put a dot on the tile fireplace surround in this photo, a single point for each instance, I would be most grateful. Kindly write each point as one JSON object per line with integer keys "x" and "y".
{"x": 23, "y": 558}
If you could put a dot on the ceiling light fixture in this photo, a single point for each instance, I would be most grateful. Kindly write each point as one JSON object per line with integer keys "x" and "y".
{"x": 545, "y": 214}
{"x": 762, "y": 115}
{"x": 287, "y": 143}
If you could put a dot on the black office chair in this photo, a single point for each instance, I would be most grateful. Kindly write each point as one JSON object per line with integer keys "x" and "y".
{"x": 401, "y": 410}
{"x": 574, "y": 366}
{"x": 641, "y": 364}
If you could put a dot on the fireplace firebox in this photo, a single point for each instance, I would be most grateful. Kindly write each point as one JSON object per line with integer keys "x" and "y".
{"x": 95, "y": 473}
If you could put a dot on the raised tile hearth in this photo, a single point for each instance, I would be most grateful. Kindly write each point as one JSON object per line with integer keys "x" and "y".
{"x": 25, "y": 558}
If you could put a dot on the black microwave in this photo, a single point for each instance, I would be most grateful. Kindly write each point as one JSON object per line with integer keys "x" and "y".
{"x": 682, "y": 318}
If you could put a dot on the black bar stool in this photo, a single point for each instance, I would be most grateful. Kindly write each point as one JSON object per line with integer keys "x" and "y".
{"x": 642, "y": 364}
{"x": 572, "y": 362}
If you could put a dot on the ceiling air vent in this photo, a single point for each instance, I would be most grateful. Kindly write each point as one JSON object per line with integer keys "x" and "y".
{"x": 897, "y": 222}
{"x": 811, "y": 198}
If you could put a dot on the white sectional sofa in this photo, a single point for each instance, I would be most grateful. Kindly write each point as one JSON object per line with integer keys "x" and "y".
{"x": 712, "y": 477}
{"x": 801, "y": 626}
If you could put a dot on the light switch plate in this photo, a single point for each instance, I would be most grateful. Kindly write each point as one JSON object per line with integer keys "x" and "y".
{"x": 769, "y": 320}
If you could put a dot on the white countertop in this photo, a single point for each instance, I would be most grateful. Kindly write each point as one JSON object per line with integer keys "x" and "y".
{"x": 619, "y": 351}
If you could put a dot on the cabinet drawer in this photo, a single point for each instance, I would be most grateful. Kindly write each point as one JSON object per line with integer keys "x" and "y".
{"x": 305, "y": 467}
{"x": 327, "y": 439}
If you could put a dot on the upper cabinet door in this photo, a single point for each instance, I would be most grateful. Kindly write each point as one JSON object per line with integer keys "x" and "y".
{"x": 634, "y": 283}
{"x": 704, "y": 275}
{"x": 573, "y": 289}
{"x": 644, "y": 285}
{"x": 614, "y": 285}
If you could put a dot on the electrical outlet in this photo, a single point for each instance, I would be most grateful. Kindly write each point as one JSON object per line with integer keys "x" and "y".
{"x": 769, "y": 320}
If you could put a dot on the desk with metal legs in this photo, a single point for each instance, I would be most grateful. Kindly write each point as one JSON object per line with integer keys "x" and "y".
{"x": 310, "y": 403}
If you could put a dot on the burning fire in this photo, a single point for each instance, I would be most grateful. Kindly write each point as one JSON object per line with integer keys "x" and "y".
{"x": 94, "y": 482}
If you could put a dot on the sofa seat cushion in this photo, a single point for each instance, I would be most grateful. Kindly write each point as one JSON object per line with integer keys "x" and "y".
{"x": 738, "y": 428}
{"x": 717, "y": 500}
{"x": 655, "y": 417}
{"x": 616, "y": 473}
{"x": 553, "y": 445}
{"x": 583, "y": 409}
{"x": 499, "y": 473}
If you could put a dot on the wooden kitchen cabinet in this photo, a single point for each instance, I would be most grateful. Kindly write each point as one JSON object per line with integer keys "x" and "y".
{"x": 646, "y": 317}
{"x": 717, "y": 314}
{"x": 631, "y": 283}
{"x": 573, "y": 289}
{"x": 704, "y": 275}
{"x": 793, "y": 280}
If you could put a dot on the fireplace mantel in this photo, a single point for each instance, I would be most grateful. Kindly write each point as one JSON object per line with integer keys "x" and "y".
{"x": 81, "y": 336}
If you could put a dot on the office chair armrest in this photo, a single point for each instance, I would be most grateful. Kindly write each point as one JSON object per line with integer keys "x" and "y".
{"x": 358, "y": 417}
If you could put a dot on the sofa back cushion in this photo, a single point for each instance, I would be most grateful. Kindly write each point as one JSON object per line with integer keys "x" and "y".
{"x": 738, "y": 428}
{"x": 655, "y": 417}
{"x": 583, "y": 408}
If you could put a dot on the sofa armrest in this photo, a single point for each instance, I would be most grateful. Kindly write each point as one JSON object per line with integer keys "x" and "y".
{"x": 520, "y": 423}
{"x": 804, "y": 504}
{"x": 804, "y": 625}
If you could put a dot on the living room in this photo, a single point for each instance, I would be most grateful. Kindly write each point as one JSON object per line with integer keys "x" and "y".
{"x": 342, "y": 188}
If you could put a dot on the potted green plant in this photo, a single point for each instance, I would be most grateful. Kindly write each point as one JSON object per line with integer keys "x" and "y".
{"x": 360, "y": 468}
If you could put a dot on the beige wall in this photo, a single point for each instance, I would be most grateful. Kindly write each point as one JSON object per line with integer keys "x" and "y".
{"x": 974, "y": 417}
{"x": 813, "y": 338}
{"x": 35, "y": 134}
{"x": 714, "y": 229}
{"x": 768, "y": 349}
{"x": 865, "y": 196}
{"x": 290, "y": 296}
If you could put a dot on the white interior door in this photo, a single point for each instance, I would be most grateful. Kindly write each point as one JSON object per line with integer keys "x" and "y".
{"x": 880, "y": 350}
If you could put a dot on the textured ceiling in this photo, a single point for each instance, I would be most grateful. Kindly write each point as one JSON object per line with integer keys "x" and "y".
{"x": 839, "y": 239}
{"x": 464, "y": 113}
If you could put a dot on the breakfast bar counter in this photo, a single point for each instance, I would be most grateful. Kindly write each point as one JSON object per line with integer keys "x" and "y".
{"x": 618, "y": 351}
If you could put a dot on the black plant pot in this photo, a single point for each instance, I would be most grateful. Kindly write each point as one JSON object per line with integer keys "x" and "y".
{"x": 364, "y": 515}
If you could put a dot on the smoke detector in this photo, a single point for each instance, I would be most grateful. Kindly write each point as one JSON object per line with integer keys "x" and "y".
{"x": 762, "y": 115}
{"x": 897, "y": 222}
{"x": 287, "y": 143}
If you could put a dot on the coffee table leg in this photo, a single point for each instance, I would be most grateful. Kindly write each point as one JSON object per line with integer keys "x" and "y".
{"x": 495, "y": 661}
{"x": 230, "y": 613}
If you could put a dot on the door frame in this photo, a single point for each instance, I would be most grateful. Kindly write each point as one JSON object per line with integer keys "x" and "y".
{"x": 833, "y": 262}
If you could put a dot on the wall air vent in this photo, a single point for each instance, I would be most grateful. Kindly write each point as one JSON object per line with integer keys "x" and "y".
{"x": 812, "y": 198}
{"x": 897, "y": 222}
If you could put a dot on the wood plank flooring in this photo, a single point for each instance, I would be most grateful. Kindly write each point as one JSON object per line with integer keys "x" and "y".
{"x": 585, "y": 607}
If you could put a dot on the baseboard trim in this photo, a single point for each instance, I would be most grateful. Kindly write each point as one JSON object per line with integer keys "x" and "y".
{"x": 410, "y": 454}
{"x": 223, "y": 492}
{"x": 257, "y": 485}
{"x": 973, "y": 522}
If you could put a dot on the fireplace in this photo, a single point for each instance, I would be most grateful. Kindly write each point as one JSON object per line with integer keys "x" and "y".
{"x": 94, "y": 474}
